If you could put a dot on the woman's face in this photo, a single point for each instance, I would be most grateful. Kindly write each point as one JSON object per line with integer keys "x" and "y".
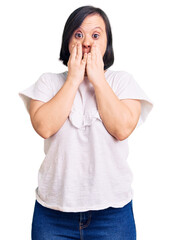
{"x": 92, "y": 30}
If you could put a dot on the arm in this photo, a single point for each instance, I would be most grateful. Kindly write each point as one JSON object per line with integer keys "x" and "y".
{"x": 120, "y": 117}
{"x": 50, "y": 116}
{"x": 47, "y": 118}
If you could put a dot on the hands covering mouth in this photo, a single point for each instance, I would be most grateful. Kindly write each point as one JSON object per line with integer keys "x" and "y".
{"x": 88, "y": 60}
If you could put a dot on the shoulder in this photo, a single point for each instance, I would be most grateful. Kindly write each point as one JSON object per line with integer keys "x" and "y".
{"x": 51, "y": 79}
{"x": 49, "y": 76}
{"x": 112, "y": 75}
{"x": 116, "y": 78}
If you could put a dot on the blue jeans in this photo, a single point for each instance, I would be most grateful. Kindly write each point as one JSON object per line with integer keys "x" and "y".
{"x": 107, "y": 224}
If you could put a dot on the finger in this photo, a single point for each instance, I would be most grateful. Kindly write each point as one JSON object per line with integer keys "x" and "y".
{"x": 98, "y": 52}
{"x": 89, "y": 58}
{"x": 74, "y": 51}
{"x": 79, "y": 51}
{"x": 84, "y": 60}
{"x": 93, "y": 52}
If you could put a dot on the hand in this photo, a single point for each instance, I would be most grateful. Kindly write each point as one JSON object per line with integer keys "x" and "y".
{"x": 76, "y": 65}
{"x": 95, "y": 66}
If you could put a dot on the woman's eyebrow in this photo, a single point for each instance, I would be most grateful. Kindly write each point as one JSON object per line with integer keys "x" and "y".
{"x": 99, "y": 28}
{"x": 91, "y": 30}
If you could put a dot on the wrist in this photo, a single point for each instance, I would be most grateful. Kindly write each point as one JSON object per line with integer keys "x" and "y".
{"x": 98, "y": 80}
{"x": 73, "y": 81}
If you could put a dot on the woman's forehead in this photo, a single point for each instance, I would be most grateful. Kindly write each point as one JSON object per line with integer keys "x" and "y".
{"x": 93, "y": 22}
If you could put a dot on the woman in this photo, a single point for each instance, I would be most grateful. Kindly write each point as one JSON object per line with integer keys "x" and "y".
{"x": 85, "y": 115}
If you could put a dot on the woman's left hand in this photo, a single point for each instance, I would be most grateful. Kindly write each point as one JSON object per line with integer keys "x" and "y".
{"x": 95, "y": 66}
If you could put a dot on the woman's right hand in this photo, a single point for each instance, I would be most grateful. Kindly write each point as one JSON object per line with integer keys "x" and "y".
{"x": 76, "y": 65}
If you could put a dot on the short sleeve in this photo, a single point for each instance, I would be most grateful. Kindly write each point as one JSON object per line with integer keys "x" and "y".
{"x": 128, "y": 88}
{"x": 41, "y": 90}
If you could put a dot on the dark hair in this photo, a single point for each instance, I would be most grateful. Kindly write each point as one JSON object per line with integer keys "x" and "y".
{"x": 74, "y": 21}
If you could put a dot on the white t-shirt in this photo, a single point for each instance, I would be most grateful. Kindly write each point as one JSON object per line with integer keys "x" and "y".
{"x": 85, "y": 167}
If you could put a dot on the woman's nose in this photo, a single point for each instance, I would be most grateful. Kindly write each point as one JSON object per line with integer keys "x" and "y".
{"x": 86, "y": 44}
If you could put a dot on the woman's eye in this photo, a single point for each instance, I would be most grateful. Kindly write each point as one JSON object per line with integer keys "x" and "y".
{"x": 95, "y": 35}
{"x": 78, "y": 35}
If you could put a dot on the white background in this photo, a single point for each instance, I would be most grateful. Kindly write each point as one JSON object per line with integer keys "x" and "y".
{"x": 30, "y": 43}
